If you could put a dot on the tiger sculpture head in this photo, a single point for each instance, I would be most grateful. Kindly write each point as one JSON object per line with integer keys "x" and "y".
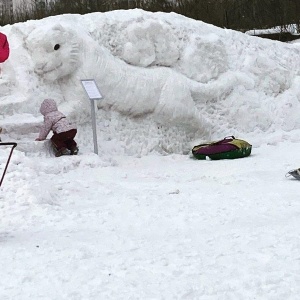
{"x": 54, "y": 51}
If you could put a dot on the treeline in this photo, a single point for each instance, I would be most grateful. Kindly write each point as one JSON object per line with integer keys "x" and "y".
{"x": 243, "y": 14}
{"x": 233, "y": 14}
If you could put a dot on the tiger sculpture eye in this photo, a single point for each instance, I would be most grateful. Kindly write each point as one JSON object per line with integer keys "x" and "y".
{"x": 56, "y": 47}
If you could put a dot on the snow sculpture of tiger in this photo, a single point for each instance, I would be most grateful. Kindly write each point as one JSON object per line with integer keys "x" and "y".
{"x": 65, "y": 55}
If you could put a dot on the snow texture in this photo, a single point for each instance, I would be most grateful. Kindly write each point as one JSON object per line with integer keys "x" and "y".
{"x": 143, "y": 220}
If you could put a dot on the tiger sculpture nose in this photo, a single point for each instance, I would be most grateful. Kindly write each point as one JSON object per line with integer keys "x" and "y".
{"x": 40, "y": 68}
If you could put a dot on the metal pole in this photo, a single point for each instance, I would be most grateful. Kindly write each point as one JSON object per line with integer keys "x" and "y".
{"x": 94, "y": 126}
{"x": 93, "y": 93}
{"x": 7, "y": 144}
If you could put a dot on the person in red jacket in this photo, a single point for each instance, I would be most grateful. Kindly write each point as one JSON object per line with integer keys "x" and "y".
{"x": 4, "y": 48}
{"x": 4, "y": 53}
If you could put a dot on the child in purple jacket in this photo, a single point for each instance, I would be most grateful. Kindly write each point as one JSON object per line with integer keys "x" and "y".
{"x": 63, "y": 131}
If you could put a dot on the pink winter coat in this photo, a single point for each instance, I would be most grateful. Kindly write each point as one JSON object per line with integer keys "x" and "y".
{"x": 4, "y": 48}
{"x": 53, "y": 119}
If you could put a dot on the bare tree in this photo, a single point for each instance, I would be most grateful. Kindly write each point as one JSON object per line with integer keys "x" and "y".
{"x": 234, "y": 14}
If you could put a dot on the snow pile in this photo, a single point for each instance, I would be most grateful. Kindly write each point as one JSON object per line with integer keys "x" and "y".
{"x": 165, "y": 78}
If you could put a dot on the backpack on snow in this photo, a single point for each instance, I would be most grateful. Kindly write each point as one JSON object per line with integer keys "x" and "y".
{"x": 228, "y": 148}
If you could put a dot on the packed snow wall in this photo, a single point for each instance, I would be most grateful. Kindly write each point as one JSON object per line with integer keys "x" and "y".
{"x": 167, "y": 80}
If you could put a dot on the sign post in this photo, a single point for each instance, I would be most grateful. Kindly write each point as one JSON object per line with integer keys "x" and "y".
{"x": 93, "y": 93}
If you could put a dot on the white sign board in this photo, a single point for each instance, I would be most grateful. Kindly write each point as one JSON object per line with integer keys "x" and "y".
{"x": 91, "y": 89}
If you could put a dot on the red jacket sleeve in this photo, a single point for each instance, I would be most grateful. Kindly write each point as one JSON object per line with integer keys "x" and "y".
{"x": 4, "y": 48}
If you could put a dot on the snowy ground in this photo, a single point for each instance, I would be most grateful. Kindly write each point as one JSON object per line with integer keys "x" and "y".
{"x": 143, "y": 219}
{"x": 157, "y": 227}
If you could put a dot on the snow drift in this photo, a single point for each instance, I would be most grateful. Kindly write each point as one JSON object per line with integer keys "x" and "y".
{"x": 166, "y": 79}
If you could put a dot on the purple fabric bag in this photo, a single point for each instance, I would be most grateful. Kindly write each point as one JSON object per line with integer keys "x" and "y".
{"x": 228, "y": 148}
{"x": 216, "y": 147}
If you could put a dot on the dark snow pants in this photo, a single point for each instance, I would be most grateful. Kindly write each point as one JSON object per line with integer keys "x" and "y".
{"x": 64, "y": 140}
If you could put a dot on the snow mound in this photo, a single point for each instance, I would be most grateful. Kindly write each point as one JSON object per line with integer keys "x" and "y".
{"x": 166, "y": 79}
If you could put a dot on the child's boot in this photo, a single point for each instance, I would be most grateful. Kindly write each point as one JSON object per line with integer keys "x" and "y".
{"x": 74, "y": 150}
{"x": 63, "y": 151}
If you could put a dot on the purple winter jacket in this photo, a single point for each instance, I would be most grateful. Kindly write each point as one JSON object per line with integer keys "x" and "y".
{"x": 53, "y": 119}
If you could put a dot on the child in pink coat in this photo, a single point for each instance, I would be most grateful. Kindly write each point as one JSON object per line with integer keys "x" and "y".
{"x": 63, "y": 132}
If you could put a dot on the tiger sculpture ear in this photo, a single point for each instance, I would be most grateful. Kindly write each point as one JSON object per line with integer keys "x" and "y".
{"x": 58, "y": 27}
{"x": 61, "y": 30}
